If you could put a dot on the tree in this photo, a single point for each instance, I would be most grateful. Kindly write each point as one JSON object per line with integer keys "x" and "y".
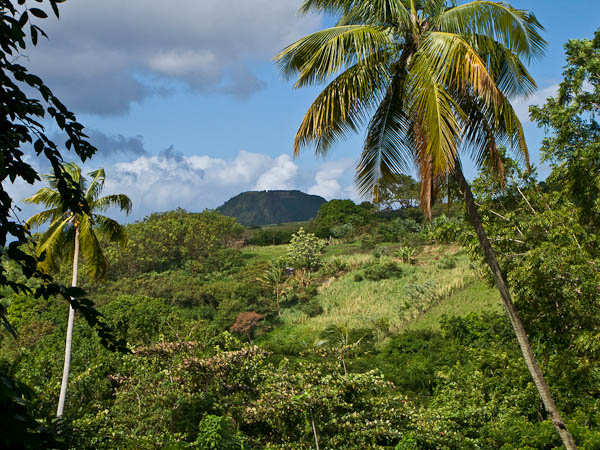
{"x": 26, "y": 100}
{"x": 274, "y": 278}
{"x": 339, "y": 212}
{"x": 402, "y": 190}
{"x": 430, "y": 78}
{"x": 573, "y": 148}
{"x": 305, "y": 251}
{"x": 69, "y": 229}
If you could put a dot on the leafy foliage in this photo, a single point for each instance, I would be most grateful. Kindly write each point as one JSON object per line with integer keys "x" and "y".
{"x": 202, "y": 242}
{"x": 574, "y": 144}
{"x": 304, "y": 251}
{"x": 336, "y": 213}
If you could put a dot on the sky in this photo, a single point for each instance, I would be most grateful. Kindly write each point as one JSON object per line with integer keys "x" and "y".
{"x": 187, "y": 109}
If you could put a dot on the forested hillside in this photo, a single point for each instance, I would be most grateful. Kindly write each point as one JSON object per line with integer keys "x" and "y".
{"x": 271, "y": 207}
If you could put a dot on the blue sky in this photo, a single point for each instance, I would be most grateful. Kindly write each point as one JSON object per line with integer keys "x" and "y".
{"x": 187, "y": 109}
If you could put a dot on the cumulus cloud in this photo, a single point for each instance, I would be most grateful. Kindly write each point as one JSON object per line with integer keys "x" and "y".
{"x": 281, "y": 176}
{"x": 100, "y": 52}
{"x": 538, "y": 98}
{"x": 170, "y": 180}
{"x": 333, "y": 180}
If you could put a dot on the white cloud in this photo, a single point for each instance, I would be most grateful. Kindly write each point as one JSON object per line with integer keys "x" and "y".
{"x": 538, "y": 98}
{"x": 281, "y": 176}
{"x": 171, "y": 180}
{"x": 98, "y": 49}
{"x": 332, "y": 180}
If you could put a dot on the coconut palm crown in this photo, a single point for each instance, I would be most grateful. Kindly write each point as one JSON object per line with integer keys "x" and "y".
{"x": 427, "y": 78}
{"x": 58, "y": 241}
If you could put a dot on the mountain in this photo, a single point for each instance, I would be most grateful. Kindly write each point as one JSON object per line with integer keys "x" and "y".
{"x": 270, "y": 207}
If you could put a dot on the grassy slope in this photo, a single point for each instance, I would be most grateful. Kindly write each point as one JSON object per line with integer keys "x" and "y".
{"x": 417, "y": 300}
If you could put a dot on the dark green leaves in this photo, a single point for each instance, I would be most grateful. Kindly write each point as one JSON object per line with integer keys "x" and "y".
{"x": 38, "y": 13}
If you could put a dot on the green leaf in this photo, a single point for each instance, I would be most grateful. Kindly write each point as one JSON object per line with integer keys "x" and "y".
{"x": 38, "y": 13}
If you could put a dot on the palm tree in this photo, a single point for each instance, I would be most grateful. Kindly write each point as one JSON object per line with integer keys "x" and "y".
{"x": 274, "y": 277}
{"x": 427, "y": 78}
{"x": 70, "y": 232}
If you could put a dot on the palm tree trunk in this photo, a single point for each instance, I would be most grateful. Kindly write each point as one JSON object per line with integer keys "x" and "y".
{"x": 314, "y": 428}
{"x": 530, "y": 361}
{"x": 65, "y": 376}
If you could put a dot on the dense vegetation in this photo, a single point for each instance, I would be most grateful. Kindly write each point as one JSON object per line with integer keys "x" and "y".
{"x": 385, "y": 336}
{"x": 271, "y": 207}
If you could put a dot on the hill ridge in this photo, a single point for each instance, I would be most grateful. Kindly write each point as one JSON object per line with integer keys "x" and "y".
{"x": 272, "y": 206}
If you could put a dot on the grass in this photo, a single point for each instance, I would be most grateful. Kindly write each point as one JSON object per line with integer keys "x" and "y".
{"x": 256, "y": 253}
{"x": 418, "y": 299}
{"x": 385, "y": 306}
{"x": 475, "y": 298}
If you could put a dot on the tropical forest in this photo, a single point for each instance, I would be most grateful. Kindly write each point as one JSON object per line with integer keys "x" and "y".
{"x": 456, "y": 305}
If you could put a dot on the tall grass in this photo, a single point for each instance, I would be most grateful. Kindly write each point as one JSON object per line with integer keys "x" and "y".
{"x": 386, "y": 306}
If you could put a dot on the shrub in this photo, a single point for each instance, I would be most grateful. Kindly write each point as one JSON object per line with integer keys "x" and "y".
{"x": 217, "y": 433}
{"x": 382, "y": 271}
{"x": 246, "y": 323}
{"x": 336, "y": 212}
{"x": 447, "y": 262}
{"x": 333, "y": 267}
{"x": 312, "y": 308}
{"x": 342, "y": 231}
{"x": 406, "y": 254}
{"x": 368, "y": 242}
{"x": 305, "y": 251}
{"x": 443, "y": 229}
{"x": 382, "y": 250}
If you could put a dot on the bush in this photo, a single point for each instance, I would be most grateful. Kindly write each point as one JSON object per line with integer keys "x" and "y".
{"x": 336, "y": 212}
{"x": 406, "y": 254}
{"x": 443, "y": 229}
{"x": 217, "y": 433}
{"x": 382, "y": 250}
{"x": 447, "y": 262}
{"x": 270, "y": 237}
{"x": 305, "y": 251}
{"x": 333, "y": 267}
{"x": 368, "y": 242}
{"x": 342, "y": 231}
{"x": 312, "y": 308}
{"x": 245, "y": 324}
{"x": 382, "y": 271}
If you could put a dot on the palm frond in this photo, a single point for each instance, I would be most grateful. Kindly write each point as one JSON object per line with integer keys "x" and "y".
{"x": 324, "y": 53}
{"x": 434, "y": 8}
{"x": 518, "y": 30}
{"x": 120, "y": 201}
{"x": 55, "y": 243}
{"x": 332, "y": 7}
{"x": 457, "y": 65}
{"x": 114, "y": 231}
{"x": 96, "y": 185}
{"x": 509, "y": 72}
{"x": 45, "y": 196}
{"x": 485, "y": 129}
{"x": 39, "y": 219}
{"x": 91, "y": 250}
{"x": 377, "y": 12}
{"x": 387, "y": 149}
{"x": 435, "y": 110}
{"x": 343, "y": 105}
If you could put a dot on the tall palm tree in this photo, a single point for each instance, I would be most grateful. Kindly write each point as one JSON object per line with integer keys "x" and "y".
{"x": 427, "y": 78}
{"x": 69, "y": 233}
